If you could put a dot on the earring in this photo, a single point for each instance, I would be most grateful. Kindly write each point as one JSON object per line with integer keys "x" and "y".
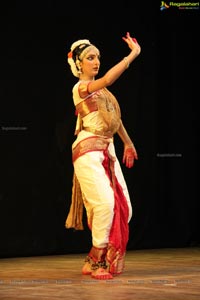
{"x": 78, "y": 66}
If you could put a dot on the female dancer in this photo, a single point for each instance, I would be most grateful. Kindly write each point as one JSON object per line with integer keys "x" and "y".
{"x": 98, "y": 181}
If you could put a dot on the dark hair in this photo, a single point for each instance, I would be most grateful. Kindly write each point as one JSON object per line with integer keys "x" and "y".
{"x": 78, "y": 50}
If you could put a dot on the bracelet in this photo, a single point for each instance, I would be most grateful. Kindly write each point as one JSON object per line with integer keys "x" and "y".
{"x": 126, "y": 62}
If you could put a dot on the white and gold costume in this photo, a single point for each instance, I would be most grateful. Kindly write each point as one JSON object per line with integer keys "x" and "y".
{"x": 99, "y": 183}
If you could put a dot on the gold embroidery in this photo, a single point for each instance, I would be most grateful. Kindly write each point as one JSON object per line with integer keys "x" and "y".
{"x": 93, "y": 143}
{"x": 108, "y": 108}
{"x": 86, "y": 106}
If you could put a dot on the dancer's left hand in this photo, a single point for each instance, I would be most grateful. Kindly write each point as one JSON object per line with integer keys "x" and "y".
{"x": 129, "y": 156}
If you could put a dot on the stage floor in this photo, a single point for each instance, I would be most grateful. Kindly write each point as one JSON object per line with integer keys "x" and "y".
{"x": 156, "y": 274}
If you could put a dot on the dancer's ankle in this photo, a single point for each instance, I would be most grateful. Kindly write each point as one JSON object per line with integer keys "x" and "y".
{"x": 100, "y": 271}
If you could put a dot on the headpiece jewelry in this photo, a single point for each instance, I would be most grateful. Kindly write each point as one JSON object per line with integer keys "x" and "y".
{"x": 76, "y": 55}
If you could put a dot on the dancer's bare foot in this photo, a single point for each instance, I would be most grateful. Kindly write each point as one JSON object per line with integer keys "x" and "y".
{"x": 86, "y": 270}
{"x": 102, "y": 274}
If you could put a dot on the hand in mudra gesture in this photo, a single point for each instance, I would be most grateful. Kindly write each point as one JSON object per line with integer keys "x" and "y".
{"x": 132, "y": 43}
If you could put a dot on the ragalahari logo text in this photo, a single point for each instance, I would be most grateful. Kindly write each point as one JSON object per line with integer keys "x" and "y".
{"x": 179, "y": 5}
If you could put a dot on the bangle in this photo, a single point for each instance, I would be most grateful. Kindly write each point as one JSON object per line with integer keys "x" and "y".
{"x": 126, "y": 62}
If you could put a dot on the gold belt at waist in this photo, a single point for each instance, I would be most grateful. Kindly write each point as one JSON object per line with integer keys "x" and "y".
{"x": 107, "y": 134}
{"x": 92, "y": 143}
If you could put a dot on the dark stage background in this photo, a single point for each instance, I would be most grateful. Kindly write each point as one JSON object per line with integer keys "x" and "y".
{"x": 158, "y": 96}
